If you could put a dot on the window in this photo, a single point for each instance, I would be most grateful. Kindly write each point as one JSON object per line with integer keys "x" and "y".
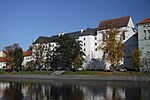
{"x": 84, "y": 38}
{"x": 104, "y": 37}
{"x": 123, "y": 35}
{"x": 96, "y": 49}
{"x": 96, "y": 33}
{"x": 95, "y": 38}
{"x": 84, "y": 49}
{"x": 145, "y": 36}
{"x": 144, "y": 31}
{"x": 148, "y": 31}
{"x": 144, "y": 26}
{"x": 84, "y": 44}
{"x": 95, "y": 43}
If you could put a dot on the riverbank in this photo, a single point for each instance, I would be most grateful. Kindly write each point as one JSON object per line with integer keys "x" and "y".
{"x": 78, "y": 77}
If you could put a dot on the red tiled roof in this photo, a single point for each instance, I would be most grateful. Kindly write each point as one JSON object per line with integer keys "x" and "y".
{"x": 27, "y": 53}
{"x": 2, "y": 59}
{"x": 117, "y": 22}
{"x": 145, "y": 21}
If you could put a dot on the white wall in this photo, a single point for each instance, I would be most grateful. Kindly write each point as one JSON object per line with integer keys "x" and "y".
{"x": 2, "y": 64}
{"x": 27, "y": 59}
{"x": 88, "y": 45}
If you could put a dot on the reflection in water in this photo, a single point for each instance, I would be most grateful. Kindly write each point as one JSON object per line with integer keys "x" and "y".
{"x": 62, "y": 90}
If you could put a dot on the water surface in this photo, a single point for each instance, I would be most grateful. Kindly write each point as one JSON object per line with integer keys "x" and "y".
{"x": 73, "y": 90}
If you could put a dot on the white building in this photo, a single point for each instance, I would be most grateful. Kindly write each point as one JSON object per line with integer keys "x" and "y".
{"x": 2, "y": 59}
{"x": 2, "y": 53}
{"x": 27, "y": 57}
{"x": 2, "y": 63}
{"x": 126, "y": 26}
{"x": 144, "y": 42}
{"x": 92, "y": 37}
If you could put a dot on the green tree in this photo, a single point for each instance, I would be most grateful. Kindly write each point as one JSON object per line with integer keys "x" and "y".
{"x": 38, "y": 53}
{"x": 65, "y": 52}
{"x": 14, "y": 57}
{"x": 48, "y": 50}
{"x": 113, "y": 47}
{"x": 146, "y": 62}
{"x": 136, "y": 56}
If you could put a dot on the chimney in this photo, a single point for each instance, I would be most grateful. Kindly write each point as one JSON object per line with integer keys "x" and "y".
{"x": 82, "y": 30}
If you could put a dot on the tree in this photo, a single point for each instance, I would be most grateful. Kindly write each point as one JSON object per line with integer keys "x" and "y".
{"x": 78, "y": 62}
{"x": 65, "y": 52}
{"x": 136, "y": 56}
{"x": 146, "y": 62}
{"x": 48, "y": 56}
{"x": 30, "y": 65}
{"x": 38, "y": 52}
{"x": 113, "y": 47}
{"x": 14, "y": 57}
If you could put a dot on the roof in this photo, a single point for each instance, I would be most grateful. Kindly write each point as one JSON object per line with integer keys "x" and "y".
{"x": 88, "y": 31}
{"x": 145, "y": 21}
{"x": 2, "y": 59}
{"x": 116, "y": 22}
{"x": 76, "y": 35}
{"x": 27, "y": 53}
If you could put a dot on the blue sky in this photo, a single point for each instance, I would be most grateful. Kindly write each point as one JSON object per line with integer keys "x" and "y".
{"x": 23, "y": 21}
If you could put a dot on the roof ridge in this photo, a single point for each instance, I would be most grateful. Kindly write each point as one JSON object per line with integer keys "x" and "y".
{"x": 144, "y": 21}
{"x": 115, "y": 18}
{"x": 116, "y": 22}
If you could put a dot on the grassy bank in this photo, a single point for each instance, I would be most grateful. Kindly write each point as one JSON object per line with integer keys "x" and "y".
{"x": 101, "y": 73}
{"x": 28, "y": 72}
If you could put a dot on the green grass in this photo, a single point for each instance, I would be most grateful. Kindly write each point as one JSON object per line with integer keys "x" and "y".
{"x": 28, "y": 72}
{"x": 101, "y": 73}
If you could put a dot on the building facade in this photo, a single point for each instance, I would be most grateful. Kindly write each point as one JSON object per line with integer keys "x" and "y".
{"x": 144, "y": 42}
{"x": 2, "y": 62}
{"x": 127, "y": 29}
{"x": 91, "y": 38}
{"x": 27, "y": 57}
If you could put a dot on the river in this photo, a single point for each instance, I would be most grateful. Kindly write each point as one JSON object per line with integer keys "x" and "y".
{"x": 73, "y": 90}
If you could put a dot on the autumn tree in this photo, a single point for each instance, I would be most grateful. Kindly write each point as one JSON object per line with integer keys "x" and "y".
{"x": 112, "y": 46}
{"x": 14, "y": 57}
{"x": 136, "y": 56}
{"x": 30, "y": 65}
{"x": 78, "y": 62}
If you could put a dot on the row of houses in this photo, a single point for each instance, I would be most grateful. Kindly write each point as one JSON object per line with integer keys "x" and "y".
{"x": 92, "y": 37}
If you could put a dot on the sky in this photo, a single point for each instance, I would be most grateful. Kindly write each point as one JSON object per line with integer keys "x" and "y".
{"x": 23, "y": 21}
